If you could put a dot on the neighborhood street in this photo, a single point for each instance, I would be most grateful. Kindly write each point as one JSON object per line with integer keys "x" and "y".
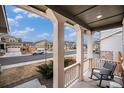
{"x": 21, "y": 59}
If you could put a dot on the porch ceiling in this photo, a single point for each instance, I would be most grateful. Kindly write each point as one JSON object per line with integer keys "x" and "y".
{"x": 86, "y": 15}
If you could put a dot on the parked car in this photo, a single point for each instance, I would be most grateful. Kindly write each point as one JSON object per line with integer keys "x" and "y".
{"x": 38, "y": 52}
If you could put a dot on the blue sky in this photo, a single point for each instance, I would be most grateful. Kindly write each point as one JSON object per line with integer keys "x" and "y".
{"x": 31, "y": 27}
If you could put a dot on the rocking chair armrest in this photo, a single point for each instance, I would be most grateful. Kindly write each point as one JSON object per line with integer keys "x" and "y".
{"x": 95, "y": 69}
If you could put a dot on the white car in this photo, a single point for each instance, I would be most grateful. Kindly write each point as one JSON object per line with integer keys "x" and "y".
{"x": 38, "y": 52}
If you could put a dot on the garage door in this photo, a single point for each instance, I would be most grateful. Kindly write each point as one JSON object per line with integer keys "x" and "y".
{"x": 13, "y": 49}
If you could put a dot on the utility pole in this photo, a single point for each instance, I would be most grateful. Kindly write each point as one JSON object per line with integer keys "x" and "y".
{"x": 45, "y": 51}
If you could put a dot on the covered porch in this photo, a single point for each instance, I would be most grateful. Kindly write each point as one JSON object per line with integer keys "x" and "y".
{"x": 72, "y": 80}
{"x": 84, "y": 19}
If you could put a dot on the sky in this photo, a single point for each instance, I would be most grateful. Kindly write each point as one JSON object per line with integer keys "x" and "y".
{"x": 33, "y": 28}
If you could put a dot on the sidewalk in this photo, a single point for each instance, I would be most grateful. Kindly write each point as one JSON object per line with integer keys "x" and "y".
{"x": 14, "y": 55}
{"x": 31, "y": 84}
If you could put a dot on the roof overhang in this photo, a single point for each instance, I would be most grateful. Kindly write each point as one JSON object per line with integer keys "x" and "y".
{"x": 86, "y": 15}
{"x": 4, "y": 28}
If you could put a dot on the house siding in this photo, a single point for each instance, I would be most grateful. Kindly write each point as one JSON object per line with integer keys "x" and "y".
{"x": 112, "y": 43}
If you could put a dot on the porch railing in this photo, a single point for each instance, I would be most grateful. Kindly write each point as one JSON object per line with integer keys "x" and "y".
{"x": 86, "y": 65}
{"x": 72, "y": 73}
{"x": 98, "y": 63}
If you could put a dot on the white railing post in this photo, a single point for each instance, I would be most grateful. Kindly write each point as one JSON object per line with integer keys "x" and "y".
{"x": 79, "y": 51}
{"x": 86, "y": 65}
{"x": 58, "y": 48}
{"x": 71, "y": 74}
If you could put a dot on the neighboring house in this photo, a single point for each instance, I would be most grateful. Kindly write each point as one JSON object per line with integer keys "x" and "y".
{"x": 43, "y": 44}
{"x": 4, "y": 28}
{"x": 111, "y": 40}
{"x": 50, "y": 46}
{"x": 10, "y": 43}
{"x": 31, "y": 44}
{"x": 27, "y": 47}
{"x": 66, "y": 45}
{"x": 96, "y": 46}
{"x": 72, "y": 45}
{"x": 69, "y": 45}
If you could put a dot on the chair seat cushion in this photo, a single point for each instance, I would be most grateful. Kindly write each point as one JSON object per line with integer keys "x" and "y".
{"x": 105, "y": 71}
{"x": 98, "y": 75}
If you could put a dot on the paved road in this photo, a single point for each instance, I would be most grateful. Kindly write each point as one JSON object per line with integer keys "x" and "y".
{"x": 20, "y": 59}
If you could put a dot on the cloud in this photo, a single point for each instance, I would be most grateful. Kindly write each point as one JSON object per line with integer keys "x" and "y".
{"x": 66, "y": 27}
{"x": 32, "y": 15}
{"x": 18, "y": 17}
{"x": 65, "y": 36}
{"x": 14, "y": 21}
{"x": 72, "y": 34}
{"x": 23, "y": 32}
{"x": 19, "y": 10}
{"x": 69, "y": 28}
{"x": 43, "y": 36}
{"x": 26, "y": 13}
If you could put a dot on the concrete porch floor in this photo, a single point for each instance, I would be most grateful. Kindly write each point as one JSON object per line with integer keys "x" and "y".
{"x": 90, "y": 83}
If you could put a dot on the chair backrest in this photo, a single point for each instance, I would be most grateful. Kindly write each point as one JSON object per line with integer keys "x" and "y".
{"x": 110, "y": 66}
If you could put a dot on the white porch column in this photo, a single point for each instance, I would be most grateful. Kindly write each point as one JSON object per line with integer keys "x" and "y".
{"x": 79, "y": 51}
{"x": 89, "y": 45}
{"x": 58, "y": 48}
{"x": 123, "y": 40}
{"x": 89, "y": 48}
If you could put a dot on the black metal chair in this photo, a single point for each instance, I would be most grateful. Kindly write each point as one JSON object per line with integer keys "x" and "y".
{"x": 105, "y": 73}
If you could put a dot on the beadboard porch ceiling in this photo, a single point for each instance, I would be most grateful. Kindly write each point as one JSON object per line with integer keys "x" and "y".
{"x": 93, "y": 17}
